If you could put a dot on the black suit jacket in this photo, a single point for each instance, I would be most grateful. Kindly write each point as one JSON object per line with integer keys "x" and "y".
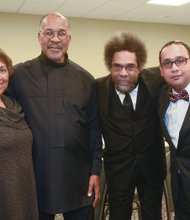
{"x": 180, "y": 156}
{"x": 145, "y": 146}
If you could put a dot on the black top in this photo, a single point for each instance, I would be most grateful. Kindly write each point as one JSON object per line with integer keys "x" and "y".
{"x": 60, "y": 104}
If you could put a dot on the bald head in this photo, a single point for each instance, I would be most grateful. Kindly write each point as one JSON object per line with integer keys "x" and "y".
{"x": 55, "y": 15}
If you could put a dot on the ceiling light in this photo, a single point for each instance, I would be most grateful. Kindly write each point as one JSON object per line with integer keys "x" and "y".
{"x": 168, "y": 2}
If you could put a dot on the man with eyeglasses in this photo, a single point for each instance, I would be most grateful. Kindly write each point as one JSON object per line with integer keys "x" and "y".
{"x": 175, "y": 118}
{"x": 60, "y": 103}
{"x": 134, "y": 153}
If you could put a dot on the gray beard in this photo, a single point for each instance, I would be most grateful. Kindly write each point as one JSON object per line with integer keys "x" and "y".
{"x": 125, "y": 89}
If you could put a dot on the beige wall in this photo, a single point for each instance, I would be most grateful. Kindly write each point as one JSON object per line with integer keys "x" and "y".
{"x": 18, "y": 37}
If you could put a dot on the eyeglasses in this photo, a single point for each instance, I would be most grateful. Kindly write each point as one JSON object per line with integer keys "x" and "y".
{"x": 130, "y": 67}
{"x": 49, "y": 34}
{"x": 179, "y": 61}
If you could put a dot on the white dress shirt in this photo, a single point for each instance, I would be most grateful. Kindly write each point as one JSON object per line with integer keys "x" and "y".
{"x": 133, "y": 95}
{"x": 174, "y": 117}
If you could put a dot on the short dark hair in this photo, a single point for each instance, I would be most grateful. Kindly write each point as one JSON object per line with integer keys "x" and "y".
{"x": 123, "y": 41}
{"x": 176, "y": 42}
{"x": 6, "y": 60}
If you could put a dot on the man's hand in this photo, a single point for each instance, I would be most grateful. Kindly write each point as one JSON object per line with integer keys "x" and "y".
{"x": 94, "y": 186}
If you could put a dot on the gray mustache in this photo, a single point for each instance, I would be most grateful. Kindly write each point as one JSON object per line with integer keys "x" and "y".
{"x": 54, "y": 46}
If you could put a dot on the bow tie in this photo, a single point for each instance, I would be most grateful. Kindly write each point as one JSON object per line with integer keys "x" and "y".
{"x": 182, "y": 95}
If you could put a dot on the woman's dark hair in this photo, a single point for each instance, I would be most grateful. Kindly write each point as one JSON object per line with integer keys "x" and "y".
{"x": 6, "y": 60}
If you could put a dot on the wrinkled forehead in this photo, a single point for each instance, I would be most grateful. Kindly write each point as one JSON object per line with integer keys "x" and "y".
{"x": 124, "y": 57}
{"x": 54, "y": 22}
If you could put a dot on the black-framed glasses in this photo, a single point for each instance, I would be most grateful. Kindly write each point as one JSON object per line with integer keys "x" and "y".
{"x": 179, "y": 61}
{"x": 49, "y": 34}
{"x": 130, "y": 67}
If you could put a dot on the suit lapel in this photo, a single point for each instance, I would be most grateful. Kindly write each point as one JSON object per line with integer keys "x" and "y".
{"x": 142, "y": 98}
{"x": 162, "y": 108}
{"x": 104, "y": 91}
{"x": 147, "y": 93}
{"x": 163, "y": 102}
{"x": 185, "y": 127}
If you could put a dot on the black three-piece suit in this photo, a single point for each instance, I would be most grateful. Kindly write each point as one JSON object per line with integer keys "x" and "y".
{"x": 134, "y": 149}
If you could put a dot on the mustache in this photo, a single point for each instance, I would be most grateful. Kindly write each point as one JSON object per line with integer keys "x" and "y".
{"x": 121, "y": 79}
{"x": 54, "y": 46}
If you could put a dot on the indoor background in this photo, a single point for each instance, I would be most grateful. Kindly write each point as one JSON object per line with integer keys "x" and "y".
{"x": 18, "y": 37}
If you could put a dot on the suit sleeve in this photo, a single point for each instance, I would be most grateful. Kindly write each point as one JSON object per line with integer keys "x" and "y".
{"x": 95, "y": 140}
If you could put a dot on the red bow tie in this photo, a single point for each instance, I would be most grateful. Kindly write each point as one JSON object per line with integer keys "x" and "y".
{"x": 174, "y": 97}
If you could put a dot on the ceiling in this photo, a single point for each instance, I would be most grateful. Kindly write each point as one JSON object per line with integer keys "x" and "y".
{"x": 123, "y": 10}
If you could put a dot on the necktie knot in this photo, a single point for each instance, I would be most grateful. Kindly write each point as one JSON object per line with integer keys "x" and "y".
{"x": 128, "y": 104}
{"x": 174, "y": 97}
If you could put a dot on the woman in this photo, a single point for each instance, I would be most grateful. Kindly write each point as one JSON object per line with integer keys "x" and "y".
{"x": 17, "y": 182}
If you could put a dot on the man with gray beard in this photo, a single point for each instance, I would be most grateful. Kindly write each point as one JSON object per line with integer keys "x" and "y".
{"x": 134, "y": 152}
